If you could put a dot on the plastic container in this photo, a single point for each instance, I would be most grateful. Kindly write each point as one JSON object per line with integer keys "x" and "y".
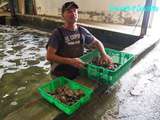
{"x": 103, "y": 74}
{"x": 45, "y": 89}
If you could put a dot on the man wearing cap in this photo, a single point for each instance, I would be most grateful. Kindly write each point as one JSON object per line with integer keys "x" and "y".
{"x": 66, "y": 44}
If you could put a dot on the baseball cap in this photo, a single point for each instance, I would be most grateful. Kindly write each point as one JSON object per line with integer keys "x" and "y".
{"x": 69, "y": 5}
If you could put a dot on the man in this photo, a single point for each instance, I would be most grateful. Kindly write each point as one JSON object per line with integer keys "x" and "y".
{"x": 66, "y": 44}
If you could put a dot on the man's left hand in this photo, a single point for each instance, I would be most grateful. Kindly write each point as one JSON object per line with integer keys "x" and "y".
{"x": 105, "y": 59}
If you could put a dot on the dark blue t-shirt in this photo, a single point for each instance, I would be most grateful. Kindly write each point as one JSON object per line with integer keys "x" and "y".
{"x": 71, "y": 37}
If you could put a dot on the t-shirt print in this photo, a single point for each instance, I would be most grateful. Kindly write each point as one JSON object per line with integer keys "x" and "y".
{"x": 72, "y": 39}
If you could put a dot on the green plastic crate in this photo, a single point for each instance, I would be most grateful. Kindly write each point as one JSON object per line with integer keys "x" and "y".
{"x": 105, "y": 75}
{"x": 59, "y": 82}
{"x": 87, "y": 58}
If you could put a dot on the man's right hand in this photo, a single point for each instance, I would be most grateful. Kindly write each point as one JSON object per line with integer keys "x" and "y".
{"x": 77, "y": 62}
{"x": 51, "y": 56}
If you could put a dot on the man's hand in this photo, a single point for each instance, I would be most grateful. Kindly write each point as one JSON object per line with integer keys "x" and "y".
{"x": 77, "y": 62}
{"x": 105, "y": 59}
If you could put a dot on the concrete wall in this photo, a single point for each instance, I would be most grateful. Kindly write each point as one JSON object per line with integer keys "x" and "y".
{"x": 96, "y": 10}
{"x": 110, "y": 39}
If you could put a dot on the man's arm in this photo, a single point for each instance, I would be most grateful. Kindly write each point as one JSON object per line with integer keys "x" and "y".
{"x": 98, "y": 44}
{"x": 93, "y": 42}
{"x": 51, "y": 56}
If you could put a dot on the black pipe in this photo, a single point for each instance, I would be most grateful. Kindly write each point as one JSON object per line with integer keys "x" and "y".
{"x": 2, "y": 20}
{"x": 145, "y": 22}
{"x": 14, "y": 20}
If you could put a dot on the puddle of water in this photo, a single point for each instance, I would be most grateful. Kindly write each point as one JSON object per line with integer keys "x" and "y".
{"x": 21, "y": 49}
{"x": 23, "y": 66}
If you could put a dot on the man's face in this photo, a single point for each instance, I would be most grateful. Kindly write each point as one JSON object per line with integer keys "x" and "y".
{"x": 71, "y": 15}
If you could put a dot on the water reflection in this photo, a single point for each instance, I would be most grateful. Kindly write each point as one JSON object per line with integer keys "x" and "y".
{"x": 20, "y": 49}
{"x": 22, "y": 66}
